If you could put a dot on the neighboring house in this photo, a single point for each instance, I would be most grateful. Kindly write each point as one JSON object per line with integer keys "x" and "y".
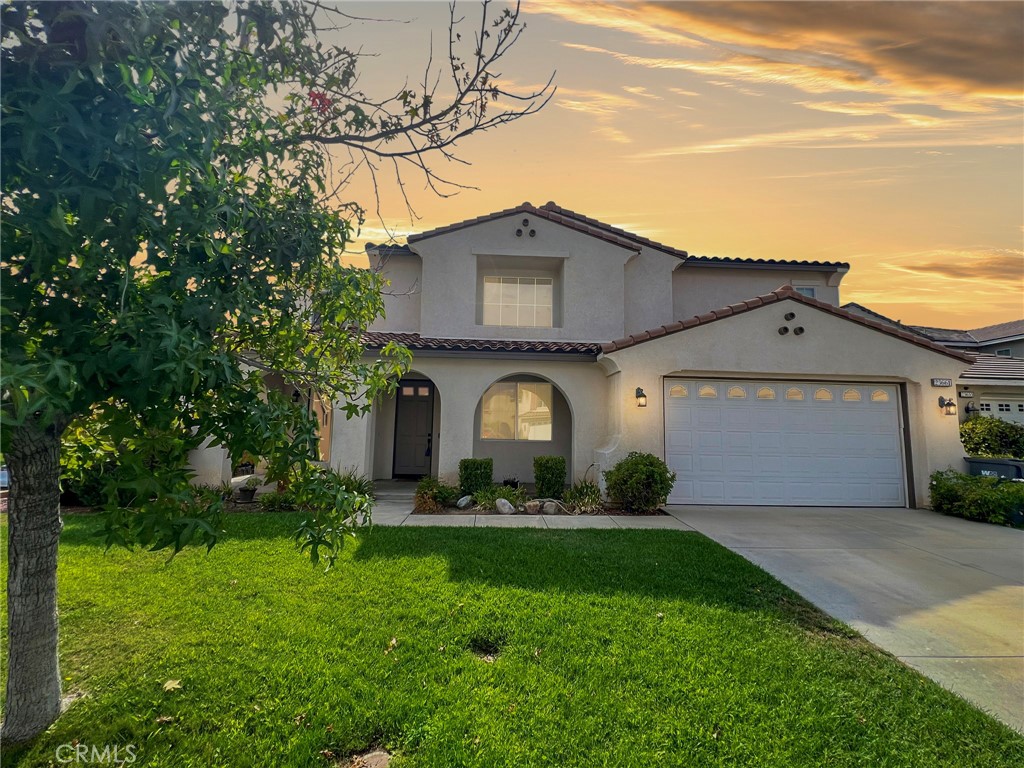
{"x": 539, "y": 331}
{"x": 994, "y": 385}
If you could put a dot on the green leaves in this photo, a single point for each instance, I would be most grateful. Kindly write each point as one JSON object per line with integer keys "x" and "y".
{"x": 171, "y": 273}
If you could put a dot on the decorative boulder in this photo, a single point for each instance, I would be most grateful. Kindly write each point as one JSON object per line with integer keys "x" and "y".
{"x": 505, "y": 507}
{"x": 532, "y": 507}
{"x": 465, "y": 502}
{"x": 550, "y": 508}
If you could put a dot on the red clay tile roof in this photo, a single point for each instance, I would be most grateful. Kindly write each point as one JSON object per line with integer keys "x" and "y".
{"x": 602, "y": 233}
{"x": 377, "y": 339}
{"x": 785, "y": 293}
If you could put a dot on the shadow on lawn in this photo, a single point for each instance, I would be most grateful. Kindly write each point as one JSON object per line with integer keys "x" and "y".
{"x": 673, "y": 565}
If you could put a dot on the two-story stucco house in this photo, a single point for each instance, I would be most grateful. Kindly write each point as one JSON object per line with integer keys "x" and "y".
{"x": 539, "y": 331}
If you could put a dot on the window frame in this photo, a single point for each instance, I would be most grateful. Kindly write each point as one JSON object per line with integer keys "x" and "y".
{"x": 534, "y": 281}
{"x": 515, "y": 424}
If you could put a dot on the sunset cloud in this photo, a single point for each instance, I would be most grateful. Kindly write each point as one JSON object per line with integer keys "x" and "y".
{"x": 956, "y": 52}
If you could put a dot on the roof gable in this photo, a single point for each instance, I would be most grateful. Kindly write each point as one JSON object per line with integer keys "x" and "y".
{"x": 531, "y": 210}
{"x": 555, "y": 213}
{"x": 785, "y": 293}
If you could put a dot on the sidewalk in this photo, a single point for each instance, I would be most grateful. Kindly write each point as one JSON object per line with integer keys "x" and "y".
{"x": 396, "y": 512}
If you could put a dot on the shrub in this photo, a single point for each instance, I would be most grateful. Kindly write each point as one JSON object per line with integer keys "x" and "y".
{"x": 640, "y": 482}
{"x": 989, "y": 499}
{"x": 355, "y": 482}
{"x": 583, "y": 497}
{"x": 277, "y": 501}
{"x": 487, "y": 498}
{"x": 989, "y": 436}
{"x": 475, "y": 474}
{"x": 432, "y": 496}
{"x": 549, "y": 476}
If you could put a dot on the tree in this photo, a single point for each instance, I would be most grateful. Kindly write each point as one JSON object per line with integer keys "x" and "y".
{"x": 169, "y": 236}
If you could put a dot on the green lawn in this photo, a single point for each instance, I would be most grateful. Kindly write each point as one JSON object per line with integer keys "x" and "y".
{"x": 614, "y": 648}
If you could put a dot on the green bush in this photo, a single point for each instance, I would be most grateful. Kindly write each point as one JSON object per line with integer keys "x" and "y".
{"x": 475, "y": 474}
{"x": 355, "y": 482}
{"x": 989, "y": 499}
{"x": 487, "y": 498}
{"x": 583, "y": 497}
{"x": 640, "y": 482}
{"x": 433, "y": 496}
{"x": 549, "y": 476}
{"x": 989, "y": 436}
{"x": 277, "y": 501}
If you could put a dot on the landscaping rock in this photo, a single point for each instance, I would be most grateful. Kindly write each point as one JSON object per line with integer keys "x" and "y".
{"x": 465, "y": 502}
{"x": 550, "y": 508}
{"x": 505, "y": 507}
{"x": 532, "y": 507}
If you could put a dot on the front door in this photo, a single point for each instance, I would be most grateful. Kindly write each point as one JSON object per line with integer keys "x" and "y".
{"x": 414, "y": 426}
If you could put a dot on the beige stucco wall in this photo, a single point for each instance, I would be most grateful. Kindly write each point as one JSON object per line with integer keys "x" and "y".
{"x": 697, "y": 289}
{"x": 403, "y": 296}
{"x": 592, "y": 279}
{"x": 210, "y": 465}
{"x": 749, "y": 346}
{"x": 460, "y": 383}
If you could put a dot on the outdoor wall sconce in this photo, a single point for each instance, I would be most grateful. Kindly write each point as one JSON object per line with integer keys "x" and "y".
{"x": 948, "y": 405}
{"x": 641, "y": 398}
{"x": 971, "y": 409}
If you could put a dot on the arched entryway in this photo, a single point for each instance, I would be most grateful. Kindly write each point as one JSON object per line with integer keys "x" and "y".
{"x": 518, "y": 418}
{"x": 407, "y": 429}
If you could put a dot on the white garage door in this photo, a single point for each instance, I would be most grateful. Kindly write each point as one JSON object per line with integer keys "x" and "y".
{"x": 1003, "y": 407}
{"x": 784, "y": 443}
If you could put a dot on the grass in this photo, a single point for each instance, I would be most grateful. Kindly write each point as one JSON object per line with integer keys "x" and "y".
{"x": 481, "y": 647}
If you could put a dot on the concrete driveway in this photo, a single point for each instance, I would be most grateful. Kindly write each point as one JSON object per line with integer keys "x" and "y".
{"x": 944, "y": 595}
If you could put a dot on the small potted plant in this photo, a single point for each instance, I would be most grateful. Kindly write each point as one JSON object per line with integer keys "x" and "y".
{"x": 247, "y": 492}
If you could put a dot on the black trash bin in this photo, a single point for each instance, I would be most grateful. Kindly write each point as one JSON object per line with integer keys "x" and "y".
{"x": 1011, "y": 469}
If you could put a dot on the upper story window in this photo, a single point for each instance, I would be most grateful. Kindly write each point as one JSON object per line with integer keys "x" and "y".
{"x": 518, "y": 302}
{"x": 805, "y": 290}
{"x": 1004, "y": 352}
{"x": 519, "y": 291}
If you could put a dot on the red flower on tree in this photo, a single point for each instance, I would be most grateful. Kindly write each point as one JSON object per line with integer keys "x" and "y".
{"x": 320, "y": 102}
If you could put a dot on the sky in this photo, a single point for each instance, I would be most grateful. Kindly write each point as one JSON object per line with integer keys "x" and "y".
{"x": 886, "y": 135}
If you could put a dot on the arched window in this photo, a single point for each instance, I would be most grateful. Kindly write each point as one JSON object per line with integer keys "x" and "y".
{"x": 678, "y": 391}
{"x": 736, "y": 393}
{"x": 765, "y": 393}
{"x": 516, "y": 410}
{"x": 794, "y": 393}
{"x": 851, "y": 395}
{"x": 822, "y": 394}
{"x": 707, "y": 391}
{"x": 879, "y": 396}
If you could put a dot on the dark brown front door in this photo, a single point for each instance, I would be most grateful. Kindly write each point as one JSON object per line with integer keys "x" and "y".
{"x": 414, "y": 426}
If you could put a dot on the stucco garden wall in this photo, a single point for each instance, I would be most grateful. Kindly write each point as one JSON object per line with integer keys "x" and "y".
{"x": 749, "y": 346}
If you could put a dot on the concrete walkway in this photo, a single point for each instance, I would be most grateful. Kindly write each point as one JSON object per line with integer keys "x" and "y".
{"x": 944, "y": 595}
{"x": 397, "y": 513}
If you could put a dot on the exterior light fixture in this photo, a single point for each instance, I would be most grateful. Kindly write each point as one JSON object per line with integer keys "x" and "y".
{"x": 641, "y": 398}
{"x": 971, "y": 409}
{"x": 948, "y": 405}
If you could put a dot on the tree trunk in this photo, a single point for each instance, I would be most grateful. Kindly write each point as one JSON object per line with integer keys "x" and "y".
{"x": 34, "y": 525}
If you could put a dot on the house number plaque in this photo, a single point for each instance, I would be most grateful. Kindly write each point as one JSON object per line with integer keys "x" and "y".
{"x": 942, "y": 382}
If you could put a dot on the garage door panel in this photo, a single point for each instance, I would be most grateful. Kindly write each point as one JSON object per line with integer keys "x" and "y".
{"x": 730, "y": 449}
